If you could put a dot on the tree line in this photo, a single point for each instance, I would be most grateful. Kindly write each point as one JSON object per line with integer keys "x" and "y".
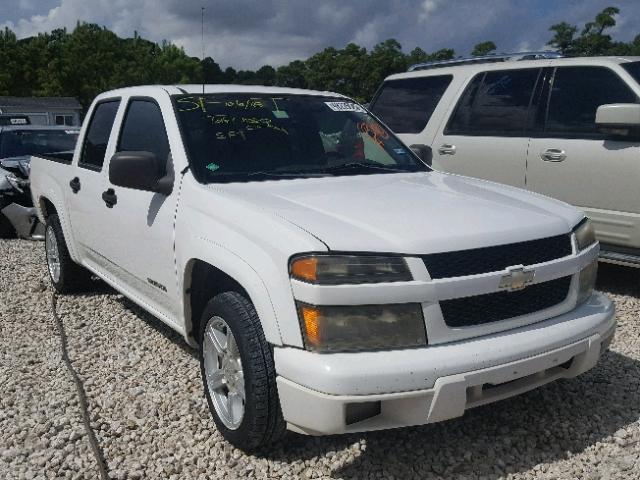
{"x": 91, "y": 59}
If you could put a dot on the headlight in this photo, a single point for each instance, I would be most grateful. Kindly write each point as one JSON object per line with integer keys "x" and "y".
{"x": 587, "y": 281}
{"x": 365, "y": 327}
{"x": 585, "y": 234}
{"x": 354, "y": 269}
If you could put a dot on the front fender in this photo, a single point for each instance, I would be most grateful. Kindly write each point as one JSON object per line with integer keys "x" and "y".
{"x": 249, "y": 244}
{"x": 218, "y": 256}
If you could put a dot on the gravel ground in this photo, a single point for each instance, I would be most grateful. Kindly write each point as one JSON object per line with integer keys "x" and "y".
{"x": 151, "y": 418}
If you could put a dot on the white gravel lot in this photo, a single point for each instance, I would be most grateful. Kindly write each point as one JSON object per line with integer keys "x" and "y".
{"x": 151, "y": 419}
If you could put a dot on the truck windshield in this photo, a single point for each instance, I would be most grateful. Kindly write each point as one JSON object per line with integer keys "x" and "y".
{"x": 249, "y": 137}
{"x": 17, "y": 143}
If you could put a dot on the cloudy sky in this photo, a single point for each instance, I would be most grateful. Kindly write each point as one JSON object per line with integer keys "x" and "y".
{"x": 251, "y": 33}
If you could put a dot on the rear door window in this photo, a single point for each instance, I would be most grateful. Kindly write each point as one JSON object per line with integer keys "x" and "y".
{"x": 495, "y": 103}
{"x": 576, "y": 94}
{"x": 406, "y": 105}
{"x": 98, "y": 133}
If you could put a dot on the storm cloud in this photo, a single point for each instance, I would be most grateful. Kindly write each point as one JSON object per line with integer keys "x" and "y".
{"x": 249, "y": 34}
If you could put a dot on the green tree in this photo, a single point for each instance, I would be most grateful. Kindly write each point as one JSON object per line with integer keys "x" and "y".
{"x": 212, "y": 71}
{"x": 320, "y": 72}
{"x": 91, "y": 59}
{"x": 417, "y": 55}
{"x": 592, "y": 39}
{"x": 563, "y": 38}
{"x": 230, "y": 75}
{"x": 351, "y": 71}
{"x": 174, "y": 66}
{"x": 605, "y": 19}
{"x": 385, "y": 59}
{"x": 8, "y": 60}
{"x": 265, "y": 75}
{"x": 292, "y": 75}
{"x": 483, "y": 48}
{"x": 443, "y": 54}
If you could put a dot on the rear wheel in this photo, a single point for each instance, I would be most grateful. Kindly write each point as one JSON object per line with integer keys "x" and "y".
{"x": 238, "y": 373}
{"x": 66, "y": 275}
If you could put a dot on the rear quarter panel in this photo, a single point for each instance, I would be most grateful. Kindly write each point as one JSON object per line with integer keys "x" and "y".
{"x": 48, "y": 180}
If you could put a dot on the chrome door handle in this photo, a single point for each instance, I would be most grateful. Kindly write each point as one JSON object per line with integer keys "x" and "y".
{"x": 553, "y": 155}
{"x": 447, "y": 149}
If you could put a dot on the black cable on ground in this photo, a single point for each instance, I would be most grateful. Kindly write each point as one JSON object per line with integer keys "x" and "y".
{"x": 82, "y": 396}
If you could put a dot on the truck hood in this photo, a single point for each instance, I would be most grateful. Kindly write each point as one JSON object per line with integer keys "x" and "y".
{"x": 414, "y": 213}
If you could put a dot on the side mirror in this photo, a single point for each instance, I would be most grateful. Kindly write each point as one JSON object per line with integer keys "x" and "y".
{"x": 140, "y": 171}
{"x": 620, "y": 119}
{"x": 423, "y": 151}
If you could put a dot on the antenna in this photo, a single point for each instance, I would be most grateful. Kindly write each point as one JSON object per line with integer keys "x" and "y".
{"x": 202, "y": 37}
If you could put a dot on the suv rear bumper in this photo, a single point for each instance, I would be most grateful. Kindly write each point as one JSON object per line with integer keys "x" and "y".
{"x": 340, "y": 393}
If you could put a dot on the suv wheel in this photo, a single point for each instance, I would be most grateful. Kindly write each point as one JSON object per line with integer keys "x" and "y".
{"x": 238, "y": 373}
{"x": 66, "y": 275}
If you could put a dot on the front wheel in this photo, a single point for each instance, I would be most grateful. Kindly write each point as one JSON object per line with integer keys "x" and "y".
{"x": 238, "y": 373}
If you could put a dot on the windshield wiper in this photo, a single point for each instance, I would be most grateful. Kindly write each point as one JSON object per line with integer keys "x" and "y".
{"x": 276, "y": 174}
{"x": 362, "y": 166}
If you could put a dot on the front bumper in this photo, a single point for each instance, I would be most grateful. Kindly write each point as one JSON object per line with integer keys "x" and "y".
{"x": 350, "y": 392}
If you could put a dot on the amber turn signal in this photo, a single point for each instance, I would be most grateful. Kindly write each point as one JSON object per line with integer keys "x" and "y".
{"x": 311, "y": 317}
{"x": 305, "y": 268}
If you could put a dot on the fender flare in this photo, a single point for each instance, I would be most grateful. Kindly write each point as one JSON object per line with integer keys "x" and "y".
{"x": 227, "y": 261}
{"x": 62, "y": 213}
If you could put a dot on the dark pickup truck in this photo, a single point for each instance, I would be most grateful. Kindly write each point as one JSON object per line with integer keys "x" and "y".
{"x": 18, "y": 142}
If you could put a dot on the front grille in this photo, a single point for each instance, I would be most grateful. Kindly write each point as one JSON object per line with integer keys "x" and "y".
{"x": 493, "y": 259}
{"x": 492, "y": 307}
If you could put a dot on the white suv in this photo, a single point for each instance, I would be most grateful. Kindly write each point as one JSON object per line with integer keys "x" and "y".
{"x": 564, "y": 127}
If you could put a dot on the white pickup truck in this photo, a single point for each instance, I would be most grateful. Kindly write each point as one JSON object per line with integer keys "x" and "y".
{"x": 331, "y": 281}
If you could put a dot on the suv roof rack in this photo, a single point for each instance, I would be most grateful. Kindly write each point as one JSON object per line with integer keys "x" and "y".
{"x": 501, "y": 57}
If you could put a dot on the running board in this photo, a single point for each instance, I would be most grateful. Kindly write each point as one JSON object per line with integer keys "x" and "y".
{"x": 618, "y": 258}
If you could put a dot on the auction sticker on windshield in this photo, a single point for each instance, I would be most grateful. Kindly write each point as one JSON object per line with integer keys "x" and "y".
{"x": 345, "y": 107}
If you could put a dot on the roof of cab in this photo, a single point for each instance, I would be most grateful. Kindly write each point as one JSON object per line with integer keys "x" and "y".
{"x": 472, "y": 68}
{"x": 220, "y": 88}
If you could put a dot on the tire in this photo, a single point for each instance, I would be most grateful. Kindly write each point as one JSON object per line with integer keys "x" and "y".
{"x": 6, "y": 228}
{"x": 261, "y": 422}
{"x": 69, "y": 276}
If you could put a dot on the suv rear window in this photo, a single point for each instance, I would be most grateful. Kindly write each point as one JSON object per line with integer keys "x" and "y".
{"x": 406, "y": 105}
{"x": 633, "y": 68}
{"x": 495, "y": 103}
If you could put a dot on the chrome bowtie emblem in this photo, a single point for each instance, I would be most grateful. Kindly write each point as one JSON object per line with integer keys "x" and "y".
{"x": 517, "y": 278}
